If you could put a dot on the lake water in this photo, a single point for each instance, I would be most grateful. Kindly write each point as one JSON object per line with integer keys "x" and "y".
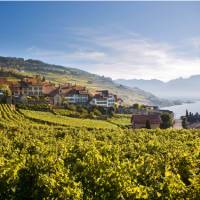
{"x": 180, "y": 110}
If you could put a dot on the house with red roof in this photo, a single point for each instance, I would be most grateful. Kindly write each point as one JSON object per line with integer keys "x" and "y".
{"x": 48, "y": 87}
{"x": 66, "y": 93}
{"x": 28, "y": 86}
{"x": 45, "y": 91}
{"x": 77, "y": 95}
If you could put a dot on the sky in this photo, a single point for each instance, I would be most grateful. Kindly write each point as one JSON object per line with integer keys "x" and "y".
{"x": 143, "y": 40}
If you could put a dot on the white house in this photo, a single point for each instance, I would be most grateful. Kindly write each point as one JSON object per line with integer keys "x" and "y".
{"x": 104, "y": 99}
{"x": 77, "y": 95}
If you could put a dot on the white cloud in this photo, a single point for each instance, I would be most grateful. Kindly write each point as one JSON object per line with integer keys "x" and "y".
{"x": 76, "y": 55}
{"x": 127, "y": 56}
{"x": 195, "y": 42}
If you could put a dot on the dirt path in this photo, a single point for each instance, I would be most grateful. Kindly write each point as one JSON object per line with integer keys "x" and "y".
{"x": 178, "y": 124}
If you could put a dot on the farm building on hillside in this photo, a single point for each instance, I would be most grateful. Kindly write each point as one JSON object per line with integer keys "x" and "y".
{"x": 152, "y": 120}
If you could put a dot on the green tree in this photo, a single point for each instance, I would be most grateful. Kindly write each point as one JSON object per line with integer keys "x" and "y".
{"x": 6, "y": 92}
{"x": 184, "y": 124}
{"x": 136, "y": 106}
{"x": 186, "y": 113}
{"x": 71, "y": 107}
{"x": 97, "y": 112}
{"x": 43, "y": 79}
{"x": 167, "y": 120}
{"x": 5, "y": 89}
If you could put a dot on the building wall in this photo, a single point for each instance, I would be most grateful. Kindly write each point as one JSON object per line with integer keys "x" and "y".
{"x": 153, "y": 126}
{"x": 111, "y": 101}
{"x": 77, "y": 98}
{"x": 33, "y": 91}
{"x": 16, "y": 92}
{"x": 97, "y": 102}
{"x": 106, "y": 102}
{"x": 57, "y": 100}
{"x": 139, "y": 125}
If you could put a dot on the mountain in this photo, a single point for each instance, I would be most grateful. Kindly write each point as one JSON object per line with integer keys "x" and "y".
{"x": 180, "y": 88}
{"x": 61, "y": 74}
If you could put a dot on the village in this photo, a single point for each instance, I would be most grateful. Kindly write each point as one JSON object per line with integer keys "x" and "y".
{"x": 36, "y": 90}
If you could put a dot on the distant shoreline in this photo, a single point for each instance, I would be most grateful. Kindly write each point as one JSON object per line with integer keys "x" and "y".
{"x": 179, "y": 102}
{"x": 179, "y": 110}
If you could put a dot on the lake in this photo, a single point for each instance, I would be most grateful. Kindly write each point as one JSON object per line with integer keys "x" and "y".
{"x": 179, "y": 110}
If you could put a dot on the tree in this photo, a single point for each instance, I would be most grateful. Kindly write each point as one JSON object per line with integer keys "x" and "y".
{"x": 82, "y": 111}
{"x": 6, "y": 92}
{"x": 71, "y": 107}
{"x": 167, "y": 120}
{"x": 97, "y": 112}
{"x": 43, "y": 79}
{"x": 5, "y": 89}
{"x": 186, "y": 114}
{"x": 136, "y": 106}
{"x": 184, "y": 124}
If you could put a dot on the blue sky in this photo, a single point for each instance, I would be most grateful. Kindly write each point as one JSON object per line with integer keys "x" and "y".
{"x": 117, "y": 39}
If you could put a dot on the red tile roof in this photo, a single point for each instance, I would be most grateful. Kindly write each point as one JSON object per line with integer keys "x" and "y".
{"x": 48, "y": 88}
{"x": 76, "y": 91}
{"x": 54, "y": 92}
{"x": 36, "y": 80}
{"x": 5, "y": 81}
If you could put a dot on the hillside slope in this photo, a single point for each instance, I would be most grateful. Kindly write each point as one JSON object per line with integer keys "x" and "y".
{"x": 60, "y": 74}
{"x": 176, "y": 88}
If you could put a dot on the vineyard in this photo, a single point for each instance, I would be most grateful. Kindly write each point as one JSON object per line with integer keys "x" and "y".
{"x": 67, "y": 121}
{"x": 47, "y": 156}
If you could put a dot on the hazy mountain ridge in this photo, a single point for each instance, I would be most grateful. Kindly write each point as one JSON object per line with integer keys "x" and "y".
{"x": 61, "y": 74}
{"x": 176, "y": 88}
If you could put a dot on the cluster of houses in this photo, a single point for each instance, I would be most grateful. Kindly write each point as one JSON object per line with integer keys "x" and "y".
{"x": 39, "y": 90}
{"x": 36, "y": 90}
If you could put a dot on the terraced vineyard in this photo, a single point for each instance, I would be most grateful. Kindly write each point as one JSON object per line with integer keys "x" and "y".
{"x": 121, "y": 120}
{"x": 67, "y": 121}
{"x": 11, "y": 117}
{"x": 40, "y": 160}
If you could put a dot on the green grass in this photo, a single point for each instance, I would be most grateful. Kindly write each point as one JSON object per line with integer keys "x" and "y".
{"x": 68, "y": 121}
{"x": 121, "y": 119}
{"x": 65, "y": 112}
